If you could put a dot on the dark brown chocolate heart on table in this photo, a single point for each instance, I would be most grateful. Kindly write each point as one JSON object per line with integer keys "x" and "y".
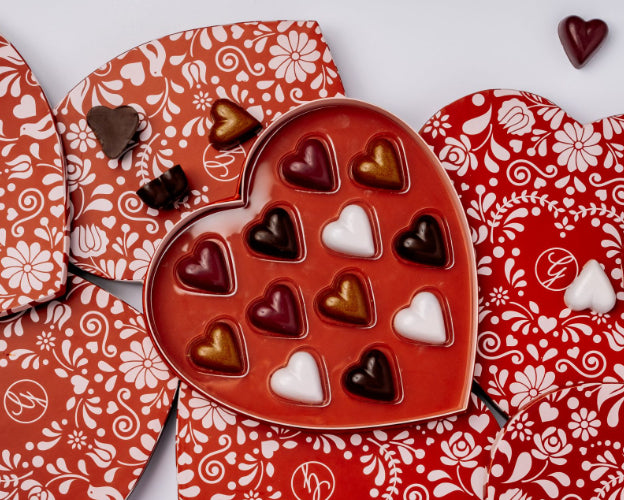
{"x": 277, "y": 312}
{"x": 274, "y": 236}
{"x": 581, "y": 39}
{"x": 115, "y": 129}
{"x": 231, "y": 124}
{"x": 205, "y": 269}
{"x": 165, "y": 190}
{"x": 379, "y": 167}
{"x": 218, "y": 349}
{"x": 423, "y": 243}
{"x": 346, "y": 300}
{"x": 309, "y": 167}
{"x": 372, "y": 377}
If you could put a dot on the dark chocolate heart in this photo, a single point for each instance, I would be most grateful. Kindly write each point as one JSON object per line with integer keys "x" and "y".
{"x": 165, "y": 190}
{"x": 275, "y": 235}
{"x": 346, "y": 300}
{"x": 231, "y": 124}
{"x": 218, "y": 350}
{"x": 423, "y": 243}
{"x": 379, "y": 167}
{"x": 581, "y": 39}
{"x": 372, "y": 377}
{"x": 205, "y": 269}
{"x": 277, "y": 312}
{"x": 309, "y": 167}
{"x": 115, "y": 129}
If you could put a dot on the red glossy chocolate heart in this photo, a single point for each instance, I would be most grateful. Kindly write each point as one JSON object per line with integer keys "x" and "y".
{"x": 278, "y": 311}
{"x": 205, "y": 268}
{"x": 581, "y": 39}
{"x": 309, "y": 167}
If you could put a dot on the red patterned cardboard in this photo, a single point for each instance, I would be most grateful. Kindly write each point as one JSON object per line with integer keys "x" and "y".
{"x": 566, "y": 445}
{"x": 543, "y": 195}
{"x": 83, "y": 398}
{"x": 34, "y": 236}
{"x": 223, "y": 455}
{"x": 267, "y": 68}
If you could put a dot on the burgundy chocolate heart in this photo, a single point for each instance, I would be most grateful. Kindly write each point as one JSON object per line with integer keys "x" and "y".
{"x": 422, "y": 243}
{"x": 372, "y": 378}
{"x": 581, "y": 39}
{"x": 205, "y": 269}
{"x": 277, "y": 312}
{"x": 275, "y": 235}
{"x": 309, "y": 167}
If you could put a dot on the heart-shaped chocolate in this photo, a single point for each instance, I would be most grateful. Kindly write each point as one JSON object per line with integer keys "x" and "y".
{"x": 380, "y": 167}
{"x": 231, "y": 124}
{"x": 218, "y": 350}
{"x": 277, "y": 311}
{"x": 165, "y": 190}
{"x": 347, "y": 300}
{"x": 206, "y": 268}
{"x": 115, "y": 129}
{"x": 422, "y": 243}
{"x": 309, "y": 167}
{"x": 372, "y": 377}
{"x": 581, "y": 39}
{"x": 274, "y": 235}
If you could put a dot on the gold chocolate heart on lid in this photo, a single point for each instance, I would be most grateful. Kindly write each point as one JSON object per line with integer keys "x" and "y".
{"x": 231, "y": 124}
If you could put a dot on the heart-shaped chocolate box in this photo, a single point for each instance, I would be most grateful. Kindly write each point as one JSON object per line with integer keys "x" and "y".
{"x": 344, "y": 285}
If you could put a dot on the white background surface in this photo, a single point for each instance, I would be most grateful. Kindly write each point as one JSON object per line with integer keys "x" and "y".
{"x": 410, "y": 57}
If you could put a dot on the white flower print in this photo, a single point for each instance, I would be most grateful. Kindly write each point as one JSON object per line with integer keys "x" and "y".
{"x": 520, "y": 427}
{"x": 88, "y": 241}
{"x": 294, "y": 57}
{"x": 27, "y": 267}
{"x": 499, "y": 296}
{"x": 552, "y": 445}
{"x": 142, "y": 258}
{"x": 80, "y": 136}
{"x": 46, "y": 341}
{"x": 584, "y": 424}
{"x": 514, "y": 494}
{"x": 142, "y": 365}
{"x": 530, "y": 383}
{"x": 210, "y": 413}
{"x": 77, "y": 440}
{"x": 461, "y": 449}
{"x": 202, "y": 100}
{"x": 457, "y": 155}
{"x": 516, "y": 117}
{"x": 578, "y": 146}
{"x": 441, "y": 425}
{"x": 437, "y": 124}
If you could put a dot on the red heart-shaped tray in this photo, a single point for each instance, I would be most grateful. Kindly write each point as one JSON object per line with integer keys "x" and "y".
{"x": 354, "y": 357}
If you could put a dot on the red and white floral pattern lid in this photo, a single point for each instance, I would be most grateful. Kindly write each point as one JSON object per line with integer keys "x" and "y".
{"x": 34, "y": 236}
{"x": 265, "y": 67}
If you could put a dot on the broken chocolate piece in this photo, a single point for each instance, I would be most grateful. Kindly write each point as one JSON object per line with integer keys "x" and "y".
{"x": 165, "y": 190}
{"x": 231, "y": 124}
{"x": 115, "y": 129}
{"x": 581, "y": 39}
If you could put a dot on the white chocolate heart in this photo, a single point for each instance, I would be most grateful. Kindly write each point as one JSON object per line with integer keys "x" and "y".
{"x": 299, "y": 380}
{"x": 351, "y": 233}
{"x": 591, "y": 289}
{"x": 422, "y": 321}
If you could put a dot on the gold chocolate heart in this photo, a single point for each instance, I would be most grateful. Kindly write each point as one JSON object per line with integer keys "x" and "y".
{"x": 231, "y": 124}
{"x": 218, "y": 349}
{"x": 347, "y": 300}
{"x": 379, "y": 167}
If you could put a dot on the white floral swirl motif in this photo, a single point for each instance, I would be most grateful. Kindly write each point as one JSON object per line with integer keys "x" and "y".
{"x": 130, "y": 204}
{"x": 211, "y": 471}
{"x": 578, "y": 146}
{"x": 217, "y": 166}
{"x": 294, "y": 57}
{"x": 93, "y": 324}
{"x": 228, "y": 59}
{"x": 516, "y": 117}
{"x": 617, "y": 193}
{"x": 519, "y": 172}
{"x": 126, "y": 427}
{"x": 27, "y": 267}
{"x": 416, "y": 492}
{"x": 489, "y": 345}
{"x": 31, "y": 202}
{"x": 594, "y": 363}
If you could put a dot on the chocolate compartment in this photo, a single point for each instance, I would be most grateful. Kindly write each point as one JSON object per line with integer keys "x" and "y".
{"x": 380, "y": 165}
{"x": 311, "y": 166}
{"x": 347, "y": 126}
